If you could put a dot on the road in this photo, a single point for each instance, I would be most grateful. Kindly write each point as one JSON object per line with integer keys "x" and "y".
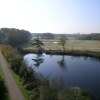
{"x": 15, "y": 93}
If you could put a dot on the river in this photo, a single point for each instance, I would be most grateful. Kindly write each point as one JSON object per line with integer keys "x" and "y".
{"x": 77, "y": 71}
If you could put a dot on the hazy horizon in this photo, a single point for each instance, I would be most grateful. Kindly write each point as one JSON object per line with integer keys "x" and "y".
{"x": 54, "y": 16}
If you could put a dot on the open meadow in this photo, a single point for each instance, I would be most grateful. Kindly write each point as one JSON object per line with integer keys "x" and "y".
{"x": 71, "y": 45}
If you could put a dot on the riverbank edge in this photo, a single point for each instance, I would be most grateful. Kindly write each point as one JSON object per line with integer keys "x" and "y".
{"x": 20, "y": 85}
{"x": 18, "y": 81}
{"x": 69, "y": 52}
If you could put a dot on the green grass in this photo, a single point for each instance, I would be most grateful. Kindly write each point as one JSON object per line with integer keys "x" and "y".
{"x": 1, "y": 73}
{"x": 25, "y": 93}
{"x": 2, "y": 76}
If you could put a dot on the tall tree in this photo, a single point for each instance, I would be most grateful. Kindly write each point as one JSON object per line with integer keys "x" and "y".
{"x": 38, "y": 44}
{"x": 62, "y": 41}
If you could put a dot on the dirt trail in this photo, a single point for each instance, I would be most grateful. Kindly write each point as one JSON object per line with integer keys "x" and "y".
{"x": 15, "y": 93}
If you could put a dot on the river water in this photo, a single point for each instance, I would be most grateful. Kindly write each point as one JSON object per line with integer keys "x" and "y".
{"x": 77, "y": 71}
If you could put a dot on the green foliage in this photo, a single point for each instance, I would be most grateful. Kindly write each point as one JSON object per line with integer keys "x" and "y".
{"x": 73, "y": 94}
{"x": 41, "y": 90}
{"x": 27, "y": 76}
{"x": 16, "y": 64}
{"x": 38, "y": 44}
{"x": 9, "y": 53}
{"x": 51, "y": 91}
{"x": 13, "y": 57}
{"x": 46, "y": 91}
{"x": 4, "y": 95}
{"x": 20, "y": 68}
{"x": 3, "y": 90}
{"x": 21, "y": 86}
{"x": 14, "y": 37}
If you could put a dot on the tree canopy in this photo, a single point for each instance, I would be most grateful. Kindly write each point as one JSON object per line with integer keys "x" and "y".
{"x": 38, "y": 44}
{"x": 14, "y": 37}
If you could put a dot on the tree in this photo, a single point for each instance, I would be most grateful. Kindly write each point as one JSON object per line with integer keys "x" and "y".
{"x": 14, "y": 37}
{"x": 62, "y": 42}
{"x": 38, "y": 44}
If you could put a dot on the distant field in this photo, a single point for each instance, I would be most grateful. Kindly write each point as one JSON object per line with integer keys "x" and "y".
{"x": 79, "y": 45}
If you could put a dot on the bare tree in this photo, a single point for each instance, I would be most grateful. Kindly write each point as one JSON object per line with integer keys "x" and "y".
{"x": 62, "y": 41}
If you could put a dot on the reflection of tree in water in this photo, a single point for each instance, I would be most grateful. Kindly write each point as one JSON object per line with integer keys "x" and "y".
{"x": 61, "y": 63}
{"x": 38, "y": 60}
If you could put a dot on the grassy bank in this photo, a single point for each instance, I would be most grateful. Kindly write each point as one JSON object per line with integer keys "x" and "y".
{"x": 22, "y": 75}
{"x": 10, "y": 53}
{"x": 39, "y": 89}
{"x": 1, "y": 73}
{"x": 72, "y": 47}
{"x": 21, "y": 87}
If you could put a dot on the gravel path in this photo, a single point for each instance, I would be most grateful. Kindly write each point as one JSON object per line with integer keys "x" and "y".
{"x": 13, "y": 89}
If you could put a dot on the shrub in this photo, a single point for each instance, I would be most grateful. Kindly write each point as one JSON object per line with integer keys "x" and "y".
{"x": 73, "y": 94}
{"x": 3, "y": 90}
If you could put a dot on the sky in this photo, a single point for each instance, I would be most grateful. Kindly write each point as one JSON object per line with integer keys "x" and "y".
{"x": 55, "y": 16}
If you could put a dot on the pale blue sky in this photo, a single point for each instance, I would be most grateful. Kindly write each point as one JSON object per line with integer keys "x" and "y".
{"x": 56, "y": 16}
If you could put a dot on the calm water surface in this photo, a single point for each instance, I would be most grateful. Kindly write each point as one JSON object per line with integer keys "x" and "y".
{"x": 83, "y": 72}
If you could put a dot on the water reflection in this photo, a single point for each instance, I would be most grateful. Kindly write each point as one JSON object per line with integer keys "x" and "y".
{"x": 76, "y": 70}
{"x": 38, "y": 60}
{"x": 62, "y": 63}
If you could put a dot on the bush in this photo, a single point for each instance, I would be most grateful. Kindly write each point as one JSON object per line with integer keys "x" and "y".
{"x": 73, "y": 94}
{"x": 3, "y": 90}
{"x": 51, "y": 91}
{"x": 45, "y": 91}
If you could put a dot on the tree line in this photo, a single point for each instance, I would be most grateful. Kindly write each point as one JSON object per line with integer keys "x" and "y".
{"x": 92, "y": 36}
{"x": 16, "y": 37}
{"x": 43, "y": 35}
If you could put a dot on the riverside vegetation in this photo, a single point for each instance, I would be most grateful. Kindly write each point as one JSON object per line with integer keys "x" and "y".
{"x": 4, "y": 95}
{"x": 40, "y": 89}
{"x": 34, "y": 86}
